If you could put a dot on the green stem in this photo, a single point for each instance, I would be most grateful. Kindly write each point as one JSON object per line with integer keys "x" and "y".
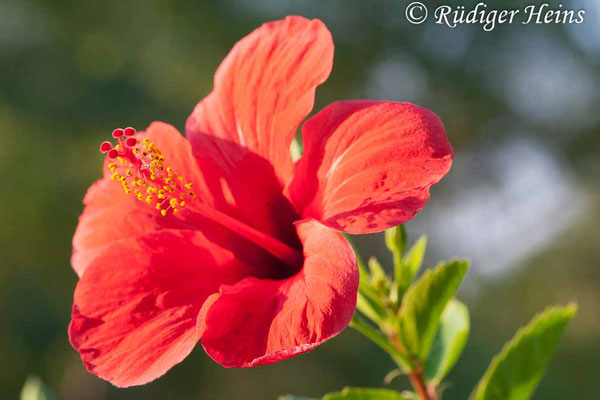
{"x": 374, "y": 306}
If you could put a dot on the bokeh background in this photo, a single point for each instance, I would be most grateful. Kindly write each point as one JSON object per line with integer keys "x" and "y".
{"x": 521, "y": 106}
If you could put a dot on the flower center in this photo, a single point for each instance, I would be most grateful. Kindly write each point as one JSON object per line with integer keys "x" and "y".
{"x": 140, "y": 167}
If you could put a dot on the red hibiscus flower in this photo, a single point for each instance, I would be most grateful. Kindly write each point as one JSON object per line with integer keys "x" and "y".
{"x": 221, "y": 237}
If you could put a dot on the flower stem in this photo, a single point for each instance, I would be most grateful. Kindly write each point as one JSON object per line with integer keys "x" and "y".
{"x": 416, "y": 375}
{"x": 396, "y": 351}
{"x": 416, "y": 379}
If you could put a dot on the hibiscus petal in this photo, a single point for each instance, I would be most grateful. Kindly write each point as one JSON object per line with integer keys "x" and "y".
{"x": 368, "y": 165}
{"x": 111, "y": 215}
{"x": 263, "y": 321}
{"x": 263, "y": 89}
{"x": 242, "y": 131}
{"x": 135, "y": 309}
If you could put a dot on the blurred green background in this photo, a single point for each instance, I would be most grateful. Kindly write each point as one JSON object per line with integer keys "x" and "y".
{"x": 521, "y": 105}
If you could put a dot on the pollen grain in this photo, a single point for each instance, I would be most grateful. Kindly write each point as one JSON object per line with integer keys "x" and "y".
{"x": 140, "y": 168}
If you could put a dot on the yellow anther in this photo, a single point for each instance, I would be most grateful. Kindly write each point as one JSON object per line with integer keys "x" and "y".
{"x": 141, "y": 171}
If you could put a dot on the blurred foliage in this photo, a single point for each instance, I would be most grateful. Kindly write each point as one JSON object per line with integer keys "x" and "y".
{"x": 72, "y": 71}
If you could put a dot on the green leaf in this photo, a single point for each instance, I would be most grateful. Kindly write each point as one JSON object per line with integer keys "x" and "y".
{"x": 349, "y": 393}
{"x": 35, "y": 389}
{"x": 395, "y": 239}
{"x": 364, "y": 394}
{"x": 449, "y": 341}
{"x": 377, "y": 337}
{"x": 414, "y": 257}
{"x": 516, "y": 371}
{"x": 424, "y": 303}
{"x": 370, "y": 308}
{"x": 376, "y": 270}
